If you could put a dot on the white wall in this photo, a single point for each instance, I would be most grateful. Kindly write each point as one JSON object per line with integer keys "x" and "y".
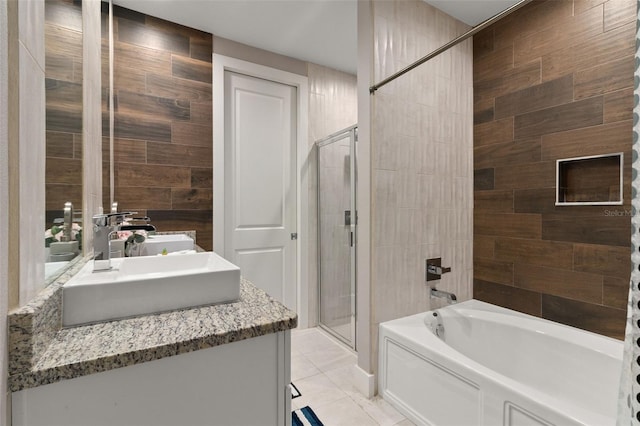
{"x": 421, "y": 160}
{"x": 4, "y": 223}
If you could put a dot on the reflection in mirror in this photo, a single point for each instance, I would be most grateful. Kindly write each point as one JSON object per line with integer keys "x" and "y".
{"x": 63, "y": 176}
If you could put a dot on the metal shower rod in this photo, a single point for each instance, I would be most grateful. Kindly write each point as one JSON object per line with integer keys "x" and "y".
{"x": 449, "y": 45}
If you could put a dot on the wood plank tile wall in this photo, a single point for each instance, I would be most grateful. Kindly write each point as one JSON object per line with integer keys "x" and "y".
{"x": 63, "y": 90}
{"x": 553, "y": 80}
{"x": 163, "y": 122}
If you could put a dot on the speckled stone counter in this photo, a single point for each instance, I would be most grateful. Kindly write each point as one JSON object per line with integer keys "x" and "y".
{"x": 42, "y": 352}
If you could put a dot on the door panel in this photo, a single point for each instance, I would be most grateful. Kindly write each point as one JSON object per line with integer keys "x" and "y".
{"x": 260, "y": 188}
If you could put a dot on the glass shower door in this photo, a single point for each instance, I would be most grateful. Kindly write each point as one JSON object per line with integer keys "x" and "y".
{"x": 337, "y": 234}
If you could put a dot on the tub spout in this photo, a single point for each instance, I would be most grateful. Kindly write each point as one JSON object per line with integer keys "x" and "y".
{"x": 451, "y": 298}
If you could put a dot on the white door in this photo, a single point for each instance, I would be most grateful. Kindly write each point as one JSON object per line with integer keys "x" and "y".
{"x": 260, "y": 187}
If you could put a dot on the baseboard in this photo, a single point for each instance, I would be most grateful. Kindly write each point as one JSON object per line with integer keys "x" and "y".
{"x": 364, "y": 382}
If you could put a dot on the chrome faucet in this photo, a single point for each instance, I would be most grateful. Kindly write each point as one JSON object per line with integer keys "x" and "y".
{"x": 451, "y": 298}
{"x": 105, "y": 227}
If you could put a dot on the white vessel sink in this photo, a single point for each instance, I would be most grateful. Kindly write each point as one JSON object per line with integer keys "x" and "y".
{"x": 156, "y": 244}
{"x": 146, "y": 285}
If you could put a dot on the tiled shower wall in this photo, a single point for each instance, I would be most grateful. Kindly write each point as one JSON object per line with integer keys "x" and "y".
{"x": 553, "y": 80}
{"x": 332, "y": 107}
{"x": 163, "y": 122}
{"x": 421, "y": 147}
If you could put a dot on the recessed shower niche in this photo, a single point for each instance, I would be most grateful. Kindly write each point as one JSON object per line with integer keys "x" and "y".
{"x": 593, "y": 180}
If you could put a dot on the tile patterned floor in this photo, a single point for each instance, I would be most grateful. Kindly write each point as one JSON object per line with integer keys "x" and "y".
{"x": 322, "y": 369}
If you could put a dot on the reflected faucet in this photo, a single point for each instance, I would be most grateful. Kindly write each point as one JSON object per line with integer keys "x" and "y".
{"x": 451, "y": 298}
{"x": 105, "y": 227}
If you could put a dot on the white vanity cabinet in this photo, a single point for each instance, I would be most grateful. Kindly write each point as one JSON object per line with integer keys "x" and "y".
{"x": 240, "y": 383}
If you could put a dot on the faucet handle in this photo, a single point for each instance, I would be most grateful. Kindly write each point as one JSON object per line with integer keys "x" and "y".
{"x": 103, "y": 220}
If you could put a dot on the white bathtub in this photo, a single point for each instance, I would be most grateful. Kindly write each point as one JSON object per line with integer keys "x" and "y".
{"x": 495, "y": 367}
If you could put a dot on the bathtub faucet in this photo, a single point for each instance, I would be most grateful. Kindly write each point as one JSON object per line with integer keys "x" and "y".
{"x": 451, "y": 298}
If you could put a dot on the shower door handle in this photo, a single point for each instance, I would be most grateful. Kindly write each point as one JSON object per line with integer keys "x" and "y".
{"x": 351, "y": 239}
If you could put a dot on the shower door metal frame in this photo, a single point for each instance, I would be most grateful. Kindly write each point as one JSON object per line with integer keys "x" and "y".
{"x": 352, "y": 131}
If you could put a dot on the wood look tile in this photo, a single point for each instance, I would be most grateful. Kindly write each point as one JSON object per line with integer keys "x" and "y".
{"x": 122, "y": 12}
{"x": 58, "y": 194}
{"x": 129, "y": 57}
{"x": 192, "y": 198}
{"x": 146, "y": 36}
{"x": 64, "y": 171}
{"x": 499, "y": 131}
{"x": 496, "y": 62}
{"x": 565, "y": 32}
{"x": 66, "y": 43}
{"x": 64, "y": 119}
{"x": 178, "y": 88}
{"x": 202, "y": 113}
{"x": 59, "y": 145}
{"x": 202, "y": 47}
{"x": 126, "y": 150}
{"x": 606, "y": 138}
{"x": 184, "y": 220}
{"x": 541, "y": 96}
{"x": 179, "y": 155}
{"x": 600, "y": 49}
{"x": 77, "y": 146}
{"x": 508, "y": 225}
{"x": 159, "y": 108}
{"x": 502, "y": 154}
{"x": 618, "y": 106}
{"x": 201, "y": 178}
{"x": 493, "y": 270}
{"x": 587, "y": 316}
{"x": 618, "y": 12}
{"x": 152, "y": 175}
{"x": 63, "y": 94}
{"x": 559, "y": 282}
{"x": 584, "y": 5}
{"x": 587, "y": 112}
{"x": 58, "y": 67}
{"x": 493, "y": 201}
{"x": 64, "y": 14}
{"x": 604, "y": 78}
{"x": 553, "y": 254}
{"x": 508, "y": 297}
{"x": 518, "y": 78}
{"x": 135, "y": 198}
{"x": 186, "y": 133}
{"x": 535, "y": 17}
{"x": 526, "y": 175}
{"x": 483, "y": 179}
{"x": 613, "y": 231}
{"x": 191, "y": 69}
{"x": 483, "y": 246}
{"x": 130, "y": 126}
{"x": 616, "y": 292}
{"x": 483, "y": 43}
{"x": 605, "y": 260}
{"x": 483, "y": 111}
{"x": 538, "y": 200}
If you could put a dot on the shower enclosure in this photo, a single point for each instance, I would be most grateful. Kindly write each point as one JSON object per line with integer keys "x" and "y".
{"x": 337, "y": 220}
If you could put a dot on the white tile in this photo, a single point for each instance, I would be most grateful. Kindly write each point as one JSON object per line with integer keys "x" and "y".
{"x": 301, "y": 367}
{"x": 379, "y": 409}
{"x": 317, "y": 390}
{"x": 343, "y": 412}
{"x": 309, "y": 340}
{"x": 332, "y": 357}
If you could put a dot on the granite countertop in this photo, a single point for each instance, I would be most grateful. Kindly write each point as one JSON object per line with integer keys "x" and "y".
{"x": 42, "y": 352}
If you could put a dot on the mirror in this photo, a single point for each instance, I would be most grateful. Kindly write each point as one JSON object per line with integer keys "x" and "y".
{"x": 63, "y": 175}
